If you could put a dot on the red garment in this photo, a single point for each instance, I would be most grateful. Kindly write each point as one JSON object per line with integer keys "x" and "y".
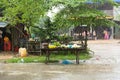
{"x": 16, "y": 49}
{"x": 7, "y": 46}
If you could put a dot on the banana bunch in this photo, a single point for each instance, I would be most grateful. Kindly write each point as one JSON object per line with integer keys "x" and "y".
{"x": 51, "y": 46}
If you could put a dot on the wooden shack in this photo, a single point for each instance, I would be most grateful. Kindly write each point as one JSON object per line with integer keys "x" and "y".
{"x": 13, "y": 32}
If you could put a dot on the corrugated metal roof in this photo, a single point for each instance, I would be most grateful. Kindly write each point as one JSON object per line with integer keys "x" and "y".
{"x": 3, "y": 24}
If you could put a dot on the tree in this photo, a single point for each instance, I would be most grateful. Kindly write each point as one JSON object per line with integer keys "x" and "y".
{"x": 75, "y": 12}
{"x": 26, "y": 12}
{"x": 81, "y": 12}
{"x": 44, "y": 28}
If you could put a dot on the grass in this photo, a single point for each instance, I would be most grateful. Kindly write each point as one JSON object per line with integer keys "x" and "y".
{"x": 28, "y": 59}
{"x": 53, "y": 57}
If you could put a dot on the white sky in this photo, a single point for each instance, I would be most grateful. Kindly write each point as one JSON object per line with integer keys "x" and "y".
{"x": 51, "y": 13}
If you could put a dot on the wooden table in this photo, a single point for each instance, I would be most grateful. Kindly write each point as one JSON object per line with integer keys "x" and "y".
{"x": 75, "y": 50}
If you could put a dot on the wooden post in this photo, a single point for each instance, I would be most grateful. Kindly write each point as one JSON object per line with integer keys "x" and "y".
{"x": 12, "y": 38}
{"x": 86, "y": 35}
{"x": 77, "y": 57}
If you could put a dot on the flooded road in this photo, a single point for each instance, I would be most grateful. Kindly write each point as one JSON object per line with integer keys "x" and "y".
{"x": 106, "y": 51}
{"x": 59, "y": 72}
{"x": 103, "y": 66}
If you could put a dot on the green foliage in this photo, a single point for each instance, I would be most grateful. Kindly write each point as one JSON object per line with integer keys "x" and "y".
{"x": 26, "y": 12}
{"x": 75, "y": 12}
{"x": 44, "y": 28}
{"x": 80, "y": 12}
{"x": 78, "y": 16}
{"x": 29, "y": 59}
{"x": 103, "y": 22}
{"x": 64, "y": 39}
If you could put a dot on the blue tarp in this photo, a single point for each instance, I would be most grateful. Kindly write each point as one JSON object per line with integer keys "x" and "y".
{"x": 117, "y": 0}
{"x": 90, "y": 1}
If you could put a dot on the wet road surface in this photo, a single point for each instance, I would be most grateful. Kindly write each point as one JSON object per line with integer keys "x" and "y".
{"x": 103, "y": 66}
{"x": 106, "y": 51}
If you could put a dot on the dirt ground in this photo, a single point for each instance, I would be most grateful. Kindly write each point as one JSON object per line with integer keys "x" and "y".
{"x": 7, "y": 55}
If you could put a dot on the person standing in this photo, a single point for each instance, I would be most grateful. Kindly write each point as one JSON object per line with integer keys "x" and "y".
{"x": 106, "y": 35}
{"x": 94, "y": 35}
{"x": 7, "y": 44}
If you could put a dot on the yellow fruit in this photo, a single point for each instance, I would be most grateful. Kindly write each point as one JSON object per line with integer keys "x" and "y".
{"x": 51, "y": 46}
